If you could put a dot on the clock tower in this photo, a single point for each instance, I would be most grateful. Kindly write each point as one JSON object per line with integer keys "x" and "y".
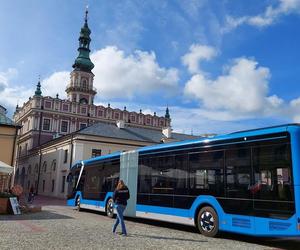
{"x": 81, "y": 88}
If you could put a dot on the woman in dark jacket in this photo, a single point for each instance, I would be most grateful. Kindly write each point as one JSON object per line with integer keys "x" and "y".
{"x": 120, "y": 197}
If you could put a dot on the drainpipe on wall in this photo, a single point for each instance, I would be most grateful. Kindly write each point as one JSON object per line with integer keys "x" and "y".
{"x": 71, "y": 155}
{"x": 13, "y": 156}
{"x": 40, "y": 151}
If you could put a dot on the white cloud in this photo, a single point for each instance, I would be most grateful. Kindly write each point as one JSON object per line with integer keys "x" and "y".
{"x": 267, "y": 18}
{"x": 242, "y": 92}
{"x": 12, "y": 93}
{"x": 118, "y": 75}
{"x": 127, "y": 76}
{"x": 294, "y": 109}
{"x": 56, "y": 84}
{"x": 197, "y": 53}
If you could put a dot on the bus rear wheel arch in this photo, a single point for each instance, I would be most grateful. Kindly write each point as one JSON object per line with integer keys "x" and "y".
{"x": 109, "y": 208}
{"x": 208, "y": 221}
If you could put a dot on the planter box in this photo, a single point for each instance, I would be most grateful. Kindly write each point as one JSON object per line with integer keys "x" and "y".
{"x": 4, "y": 202}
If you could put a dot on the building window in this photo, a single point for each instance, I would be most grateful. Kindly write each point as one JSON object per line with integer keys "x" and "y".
{"x": 44, "y": 185}
{"x": 36, "y": 168}
{"x": 63, "y": 184}
{"x": 64, "y": 126}
{"x": 53, "y": 165}
{"x": 29, "y": 169}
{"x": 48, "y": 105}
{"x": 45, "y": 166}
{"x": 46, "y": 124}
{"x": 65, "y": 107}
{"x": 100, "y": 113}
{"x": 132, "y": 118}
{"x": 96, "y": 152}
{"x": 117, "y": 116}
{"x": 83, "y": 125}
{"x": 66, "y": 156}
{"x": 20, "y": 151}
{"x": 83, "y": 110}
{"x": 52, "y": 186}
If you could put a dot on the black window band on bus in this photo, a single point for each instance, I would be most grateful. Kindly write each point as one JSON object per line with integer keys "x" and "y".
{"x": 219, "y": 143}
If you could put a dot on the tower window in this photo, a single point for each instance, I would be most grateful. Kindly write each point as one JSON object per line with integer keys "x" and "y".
{"x": 83, "y": 101}
{"x": 84, "y": 83}
{"x": 83, "y": 111}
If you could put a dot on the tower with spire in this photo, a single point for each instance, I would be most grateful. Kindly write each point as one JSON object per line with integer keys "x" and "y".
{"x": 81, "y": 87}
{"x": 51, "y": 122}
{"x": 38, "y": 91}
{"x": 167, "y": 115}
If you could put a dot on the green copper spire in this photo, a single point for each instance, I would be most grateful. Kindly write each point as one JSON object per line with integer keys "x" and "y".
{"x": 167, "y": 115}
{"x": 83, "y": 61}
{"x": 38, "y": 91}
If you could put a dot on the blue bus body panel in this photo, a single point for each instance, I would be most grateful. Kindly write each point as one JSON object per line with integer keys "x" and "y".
{"x": 96, "y": 203}
{"x": 71, "y": 202}
{"x": 230, "y": 222}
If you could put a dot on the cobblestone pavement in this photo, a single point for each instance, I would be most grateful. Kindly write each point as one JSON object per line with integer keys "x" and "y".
{"x": 62, "y": 227}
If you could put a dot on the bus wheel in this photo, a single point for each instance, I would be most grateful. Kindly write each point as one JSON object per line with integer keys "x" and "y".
{"x": 78, "y": 203}
{"x": 208, "y": 222}
{"x": 110, "y": 208}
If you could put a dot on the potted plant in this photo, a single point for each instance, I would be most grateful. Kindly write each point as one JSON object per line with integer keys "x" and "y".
{"x": 4, "y": 201}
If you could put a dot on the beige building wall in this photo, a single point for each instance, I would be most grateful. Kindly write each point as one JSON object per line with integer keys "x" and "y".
{"x": 7, "y": 145}
{"x": 56, "y": 161}
{"x": 7, "y": 140}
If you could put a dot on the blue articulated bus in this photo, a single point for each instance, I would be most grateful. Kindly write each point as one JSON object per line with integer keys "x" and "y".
{"x": 245, "y": 182}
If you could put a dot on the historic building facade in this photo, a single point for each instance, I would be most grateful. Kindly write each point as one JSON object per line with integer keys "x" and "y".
{"x": 49, "y": 164}
{"x": 44, "y": 118}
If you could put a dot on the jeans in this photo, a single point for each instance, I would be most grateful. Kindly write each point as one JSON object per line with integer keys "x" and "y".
{"x": 120, "y": 210}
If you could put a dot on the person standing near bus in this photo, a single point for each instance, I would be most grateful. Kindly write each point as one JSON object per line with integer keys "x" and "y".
{"x": 120, "y": 197}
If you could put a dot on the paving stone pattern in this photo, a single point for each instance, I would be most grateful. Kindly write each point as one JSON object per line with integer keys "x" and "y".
{"x": 62, "y": 227}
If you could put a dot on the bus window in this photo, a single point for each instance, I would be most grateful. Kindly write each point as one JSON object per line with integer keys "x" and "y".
{"x": 206, "y": 173}
{"x": 272, "y": 171}
{"x": 144, "y": 181}
{"x": 238, "y": 181}
{"x": 162, "y": 181}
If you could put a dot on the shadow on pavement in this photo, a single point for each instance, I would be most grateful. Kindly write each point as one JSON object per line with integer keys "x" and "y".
{"x": 165, "y": 238}
{"x": 279, "y": 243}
{"x": 43, "y": 215}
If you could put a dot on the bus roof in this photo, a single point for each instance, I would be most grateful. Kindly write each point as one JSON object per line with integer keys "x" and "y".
{"x": 234, "y": 135}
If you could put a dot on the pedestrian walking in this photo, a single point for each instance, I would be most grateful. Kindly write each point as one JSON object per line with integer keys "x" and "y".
{"x": 120, "y": 197}
{"x": 31, "y": 194}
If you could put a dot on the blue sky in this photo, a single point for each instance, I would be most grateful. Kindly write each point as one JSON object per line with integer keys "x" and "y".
{"x": 220, "y": 66}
